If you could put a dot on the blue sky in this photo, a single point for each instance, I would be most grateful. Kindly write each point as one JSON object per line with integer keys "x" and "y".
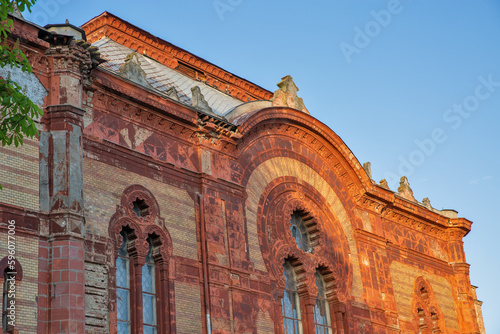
{"x": 413, "y": 87}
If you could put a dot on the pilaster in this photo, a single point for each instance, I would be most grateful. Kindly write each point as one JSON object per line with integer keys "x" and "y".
{"x": 61, "y": 178}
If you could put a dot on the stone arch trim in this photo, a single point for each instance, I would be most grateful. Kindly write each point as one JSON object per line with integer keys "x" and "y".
{"x": 134, "y": 192}
{"x": 138, "y": 230}
{"x": 4, "y": 264}
{"x": 317, "y": 136}
{"x": 425, "y": 308}
{"x": 280, "y": 199}
{"x": 278, "y": 167}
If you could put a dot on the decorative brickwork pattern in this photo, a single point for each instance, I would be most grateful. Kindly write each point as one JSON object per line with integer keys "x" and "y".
{"x": 104, "y": 185}
{"x": 282, "y": 167}
{"x": 403, "y": 278}
{"x": 20, "y": 175}
{"x": 187, "y": 308}
{"x": 27, "y": 288}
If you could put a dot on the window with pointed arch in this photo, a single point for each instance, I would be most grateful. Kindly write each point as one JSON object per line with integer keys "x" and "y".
{"x": 123, "y": 287}
{"x": 149, "y": 292}
{"x": 300, "y": 232}
{"x": 6, "y": 298}
{"x": 126, "y": 288}
{"x": 427, "y": 314}
{"x": 12, "y": 276}
{"x": 322, "y": 321}
{"x": 290, "y": 304}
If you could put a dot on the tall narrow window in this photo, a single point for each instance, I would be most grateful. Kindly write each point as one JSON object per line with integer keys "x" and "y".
{"x": 149, "y": 293}
{"x": 300, "y": 233}
{"x": 321, "y": 309}
{"x": 123, "y": 287}
{"x": 6, "y": 300}
{"x": 290, "y": 303}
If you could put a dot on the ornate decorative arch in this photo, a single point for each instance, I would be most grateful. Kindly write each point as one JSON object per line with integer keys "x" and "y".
{"x": 18, "y": 269}
{"x": 285, "y": 143}
{"x": 315, "y": 135}
{"x": 427, "y": 315}
{"x": 280, "y": 199}
{"x": 137, "y": 193}
{"x": 139, "y": 223}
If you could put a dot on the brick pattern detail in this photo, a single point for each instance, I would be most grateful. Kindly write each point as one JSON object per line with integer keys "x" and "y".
{"x": 104, "y": 185}
{"x": 282, "y": 167}
{"x": 67, "y": 286}
{"x": 27, "y": 288}
{"x": 403, "y": 277}
{"x": 20, "y": 175}
{"x": 96, "y": 298}
{"x": 187, "y": 308}
{"x": 265, "y": 324}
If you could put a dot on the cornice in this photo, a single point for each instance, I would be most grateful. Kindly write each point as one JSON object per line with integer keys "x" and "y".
{"x": 161, "y": 114}
{"x": 121, "y": 31}
{"x": 118, "y": 156}
{"x": 389, "y": 205}
{"x": 405, "y": 213}
{"x": 407, "y": 253}
{"x": 221, "y": 185}
{"x": 27, "y": 32}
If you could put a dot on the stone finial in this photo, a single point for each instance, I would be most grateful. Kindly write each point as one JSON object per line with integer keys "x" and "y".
{"x": 16, "y": 12}
{"x": 286, "y": 95}
{"x": 199, "y": 101}
{"x": 132, "y": 70}
{"x": 172, "y": 93}
{"x": 367, "y": 166}
{"x": 383, "y": 184}
{"x": 404, "y": 189}
{"x": 427, "y": 203}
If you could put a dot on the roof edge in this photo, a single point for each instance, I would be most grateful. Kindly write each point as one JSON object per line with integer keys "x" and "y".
{"x": 133, "y": 37}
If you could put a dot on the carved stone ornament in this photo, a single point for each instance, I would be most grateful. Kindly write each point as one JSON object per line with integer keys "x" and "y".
{"x": 133, "y": 71}
{"x": 199, "y": 101}
{"x": 404, "y": 189}
{"x": 427, "y": 203}
{"x": 172, "y": 93}
{"x": 367, "y": 166}
{"x": 286, "y": 95}
{"x": 383, "y": 184}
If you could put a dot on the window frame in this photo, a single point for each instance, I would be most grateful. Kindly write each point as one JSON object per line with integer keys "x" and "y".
{"x": 137, "y": 252}
{"x": 322, "y": 299}
{"x": 150, "y": 262}
{"x": 292, "y": 291}
{"x": 128, "y": 287}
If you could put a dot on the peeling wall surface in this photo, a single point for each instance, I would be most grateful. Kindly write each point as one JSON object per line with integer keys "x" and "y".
{"x": 141, "y": 205}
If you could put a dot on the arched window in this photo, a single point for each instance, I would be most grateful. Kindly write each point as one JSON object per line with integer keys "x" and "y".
{"x": 149, "y": 292}
{"x": 300, "y": 233}
{"x": 427, "y": 315}
{"x": 290, "y": 303}
{"x": 8, "y": 276}
{"x": 142, "y": 247}
{"x": 322, "y": 321}
{"x": 12, "y": 275}
{"x": 123, "y": 287}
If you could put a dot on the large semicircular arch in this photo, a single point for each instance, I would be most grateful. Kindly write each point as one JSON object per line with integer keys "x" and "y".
{"x": 267, "y": 171}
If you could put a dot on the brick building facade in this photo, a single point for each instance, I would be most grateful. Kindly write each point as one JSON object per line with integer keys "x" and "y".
{"x": 166, "y": 194}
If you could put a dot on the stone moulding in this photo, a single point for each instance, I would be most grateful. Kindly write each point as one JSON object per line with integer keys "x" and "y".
{"x": 190, "y": 123}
